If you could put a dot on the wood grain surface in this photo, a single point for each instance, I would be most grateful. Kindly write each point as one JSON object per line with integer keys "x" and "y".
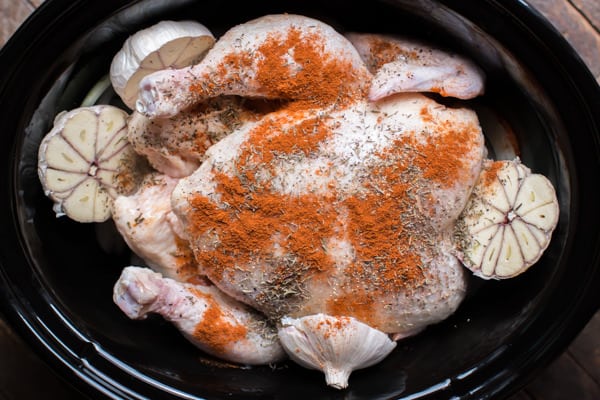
{"x": 574, "y": 375}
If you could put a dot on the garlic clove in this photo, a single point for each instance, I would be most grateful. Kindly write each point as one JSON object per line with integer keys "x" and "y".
{"x": 85, "y": 161}
{"x": 167, "y": 44}
{"x": 335, "y": 345}
{"x": 508, "y": 221}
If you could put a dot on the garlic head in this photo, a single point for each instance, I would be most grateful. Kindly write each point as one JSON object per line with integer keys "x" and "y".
{"x": 336, "y": 345}
{"x": 167, "y": 44}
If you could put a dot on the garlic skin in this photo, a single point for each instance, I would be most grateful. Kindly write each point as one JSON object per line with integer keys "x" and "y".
{"x": 508, "y": 222}
{"x": 336, "y": 345}
{"x": 167, "y": 44}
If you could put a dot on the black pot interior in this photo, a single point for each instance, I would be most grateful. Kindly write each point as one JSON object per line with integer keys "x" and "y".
{"x": 501, "y": 333}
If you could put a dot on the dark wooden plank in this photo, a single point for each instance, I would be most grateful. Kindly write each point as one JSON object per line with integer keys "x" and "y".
{"x": 591, "y": 10}
{"x": 12, "y": 14}
{"x": 586, "y": 348}
{"x": 564, "y": 379}
{"x": 575, "y": 27}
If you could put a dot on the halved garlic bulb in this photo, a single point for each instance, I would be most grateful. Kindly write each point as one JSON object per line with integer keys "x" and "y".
{"x": 167, "y": 44}
{"x": 85, "y": 161}
{"x": 508, "y": 221}
{"x": 335, "y": 345}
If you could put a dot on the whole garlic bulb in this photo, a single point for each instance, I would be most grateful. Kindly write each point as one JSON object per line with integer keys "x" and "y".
{"x": 167, "y": 44}
{"x": 335, "y": 345}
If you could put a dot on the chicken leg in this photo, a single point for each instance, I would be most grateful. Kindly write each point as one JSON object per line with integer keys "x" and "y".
{"x": 286, "y": 57}
{"x": 209, "y": 319}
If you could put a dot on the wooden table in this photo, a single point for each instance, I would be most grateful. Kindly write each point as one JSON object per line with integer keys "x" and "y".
{"x": 574, "y": 375}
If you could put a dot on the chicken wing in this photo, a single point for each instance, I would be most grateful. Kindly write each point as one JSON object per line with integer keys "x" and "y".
{"x": 176, "y": 145}
{"x": 401, "y": 65}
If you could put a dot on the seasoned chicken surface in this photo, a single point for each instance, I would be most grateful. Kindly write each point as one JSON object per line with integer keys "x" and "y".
{"x": 269, "y": 57}
{"x": 176, "y": 145}
{"x": 151, "y": 230}
{"x": 347, "y": 212}
{"x": 401, "y": 65}
{"x": 212, "y": 321}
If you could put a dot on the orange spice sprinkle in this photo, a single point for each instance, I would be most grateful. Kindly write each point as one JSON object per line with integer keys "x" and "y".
{"x": 383, "y": 51}
{"x": 314, "y": 70}
{"x": 247, "y": 231}
{"x": 288, "y": 132}
{"x": 329, "y": 326}
{"x": 314, "y": 79}
{"x": 185, "y": 263}
{"x": 215, "y": 331}
{"x": 441, "y": 159}
{"x": 489, "y": 174}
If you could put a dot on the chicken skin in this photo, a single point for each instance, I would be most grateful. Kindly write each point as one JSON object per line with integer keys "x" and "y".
{"x": 401, "y": 65}
{"x": 353, "y": 218}
{"x": 176, "y": 145}
{"x": 215, "y": 323}
{"x": 151, "y": 230}
{"x": 268, "y": 57}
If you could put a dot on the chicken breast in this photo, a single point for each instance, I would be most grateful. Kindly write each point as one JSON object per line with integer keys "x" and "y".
{"x": 151, "y": 230}
{"x": 346, "y": 211}
{"x": 401, "y": 65}
{"x": 209, "y": 319}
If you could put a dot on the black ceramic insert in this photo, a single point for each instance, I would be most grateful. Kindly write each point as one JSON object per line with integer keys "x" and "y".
{"x": 56, "y": 275}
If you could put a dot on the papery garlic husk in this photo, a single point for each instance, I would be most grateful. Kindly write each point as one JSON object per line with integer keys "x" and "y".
{"x": 336, "y": 345}
{"x": 167, "y": 44}
{"x": 508, "y": 221}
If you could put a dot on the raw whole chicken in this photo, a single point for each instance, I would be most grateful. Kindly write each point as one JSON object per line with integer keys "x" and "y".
{"x": 215, "y": 323}
{"x": 331, "y": 205}
{"x": 335, "y": 214}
